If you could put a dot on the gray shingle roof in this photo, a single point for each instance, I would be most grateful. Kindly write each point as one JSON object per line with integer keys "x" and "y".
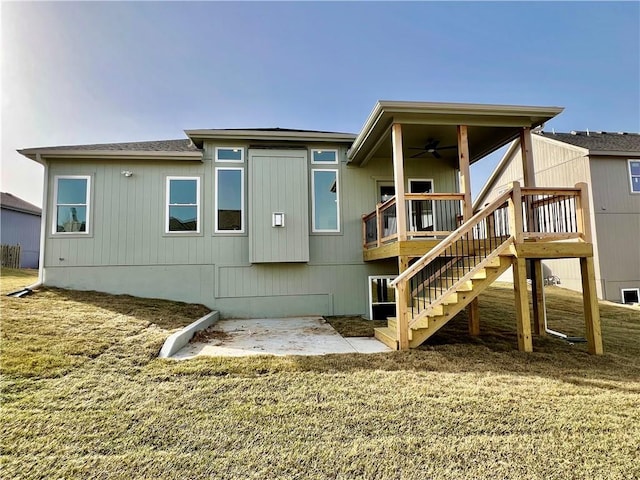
{"x": 11, "y": 202}
{"x": 183, "y": 145}
{"x": 599, "y": 141}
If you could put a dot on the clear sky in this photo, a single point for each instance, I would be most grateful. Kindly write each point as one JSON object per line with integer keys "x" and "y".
{"x": 75, "y": 73}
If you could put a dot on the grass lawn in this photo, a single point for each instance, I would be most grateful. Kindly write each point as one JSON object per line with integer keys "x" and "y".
{"x": 84, "y": 396}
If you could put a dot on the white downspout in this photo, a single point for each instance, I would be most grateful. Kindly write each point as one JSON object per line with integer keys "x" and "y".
{"x": 43, "y": 223}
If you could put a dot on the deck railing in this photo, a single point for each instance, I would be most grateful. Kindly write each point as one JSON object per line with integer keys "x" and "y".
{"x": 433, "y": 215}
{"x": 552, "y": 214}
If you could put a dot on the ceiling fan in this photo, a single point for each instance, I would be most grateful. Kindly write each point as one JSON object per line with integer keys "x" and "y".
{"x": 432, "y": 148}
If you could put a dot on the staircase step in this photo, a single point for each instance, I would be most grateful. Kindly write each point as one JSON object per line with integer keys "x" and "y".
{"x": 461, "y": 272}
{"x": 392, "y": 323}
{"x": 493, "y": 263}
{"x": 386, "y": 336}
{"x": 451, "y": 298}
{"x": 437, "y": 310}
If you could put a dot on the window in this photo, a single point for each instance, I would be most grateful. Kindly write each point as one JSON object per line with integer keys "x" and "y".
{"x": 230, "y": 154}
{"x": 72, "y": 204}
{"x": 324, "y": 156}
{"x": 183, "y": 205}
{"x": 229, "y": 200}
{"x": 630, "y": 295}
{"x": 634, "y": 175}
{"x": 382, "y": 297}
{"x": 324, "y": 201}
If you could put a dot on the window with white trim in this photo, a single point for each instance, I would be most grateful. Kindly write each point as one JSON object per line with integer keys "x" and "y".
{"x": 230, "y": 154}
{"x": 325, "y": 202}
{"x": 634, "y": 175}
{"x": 324, "y": 157}
{"x": 183, "y": 205}
{"x": 72, "y": 193}
{"x": 229, "y": 211}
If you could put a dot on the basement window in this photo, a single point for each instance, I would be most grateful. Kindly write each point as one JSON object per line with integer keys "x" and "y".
{"x": 183, "y": 205}
{"x": 71, "y": 204}
{"x": 382, "y": 297}
{"x": 630, "y": 295}
{"x": 634, "y": 175}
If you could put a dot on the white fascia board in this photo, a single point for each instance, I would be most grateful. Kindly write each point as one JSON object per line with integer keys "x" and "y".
{"x": 109, "y": 155}
{"x": 271, "y": 135}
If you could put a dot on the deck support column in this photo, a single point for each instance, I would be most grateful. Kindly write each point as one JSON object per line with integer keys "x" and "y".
{"x": 473, "y": 311}
{"x": 591, "y": 307}
{"x": 403, "y": 291}
{"x": 523, "y": 320}
{"x": 537, "y": 292}
{"x": 398, "y": 181}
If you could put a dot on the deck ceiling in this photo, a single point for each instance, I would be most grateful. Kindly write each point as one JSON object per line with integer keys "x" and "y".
{"x": 489, "y": 127}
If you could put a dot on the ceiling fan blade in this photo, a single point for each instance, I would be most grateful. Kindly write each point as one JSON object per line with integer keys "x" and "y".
{"x": 418, "y": 154}
{"x": 436, "y": 154}
{"x": 416, "y": 148}
{"x": 446, "y": 148}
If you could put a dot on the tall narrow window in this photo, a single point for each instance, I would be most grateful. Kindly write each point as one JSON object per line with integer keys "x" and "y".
{"x": 229, "y": 200}
{"x": 183, "y": 204}
{"x": 634, "y": 175}
{"x": 324, "y": 202}
{"x": 72, "y": 204}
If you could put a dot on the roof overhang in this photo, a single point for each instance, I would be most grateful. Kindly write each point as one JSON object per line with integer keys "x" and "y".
{"x": 39, "y": 154}
{"x": 490, "y": 126}
{"x": 198, "y": 136}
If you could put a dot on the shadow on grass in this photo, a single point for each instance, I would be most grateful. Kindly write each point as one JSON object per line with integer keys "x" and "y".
{"x": 166, "y": 314}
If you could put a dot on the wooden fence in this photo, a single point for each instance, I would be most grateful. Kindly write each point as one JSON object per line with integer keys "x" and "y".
{"x": 10, "y": 256}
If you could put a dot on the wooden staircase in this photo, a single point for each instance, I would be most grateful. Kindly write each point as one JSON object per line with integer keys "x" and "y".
{"x": 450, "y": 276}
{"x": 450, "y": 306}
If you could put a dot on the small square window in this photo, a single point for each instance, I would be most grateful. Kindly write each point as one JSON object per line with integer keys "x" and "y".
{"x": 630, "y": 295}
{"x": 634, "y": 175}
{"x": 230, "y": 154}
{"x": 324, "y": 156}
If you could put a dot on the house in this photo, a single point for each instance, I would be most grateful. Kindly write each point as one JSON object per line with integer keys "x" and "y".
{"x": 610, "y": 164}
{"x": 282, "y": 222}
{"x": 20, "y": 225}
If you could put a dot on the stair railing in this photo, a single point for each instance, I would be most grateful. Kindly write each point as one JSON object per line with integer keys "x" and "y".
{"x": 455, "y": 260}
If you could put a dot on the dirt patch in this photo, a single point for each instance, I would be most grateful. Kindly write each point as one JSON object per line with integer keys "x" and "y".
{"x": 354, "y": 325}
{"x": 209, "y": 334}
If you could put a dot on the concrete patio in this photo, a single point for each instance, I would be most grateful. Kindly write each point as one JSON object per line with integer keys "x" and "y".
{"x": 275, "y": 336}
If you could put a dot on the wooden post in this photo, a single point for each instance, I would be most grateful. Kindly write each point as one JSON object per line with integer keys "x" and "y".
{"x": 591, "y": 307}
{"x": 526, "y": 150}
{"x": 379, "y": 226}
{"x": 537, "y": 293}
{"x": 515, "y": 213}
{"x": 402, "y": 306}
{"x": 523, "y": 319}
{"x": 465, "y": 176}
{"x": 398, "y": 180}
{"x": 583, "y": 212}
{"x": 473, "y": 312}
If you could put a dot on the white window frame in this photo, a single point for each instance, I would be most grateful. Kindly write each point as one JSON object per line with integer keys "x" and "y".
{"x": 242, "y": 202}
{"x": 320, "y": 150}
{"x": 167, "y": 205}
{"x": 218, "y": 160}
{"x": 54, "y": 226}
{"x": 377, "y": 277}
{"x": 313, "y": 200}
{"x": 631, "y": 176}
{"x": 623, "y": 290}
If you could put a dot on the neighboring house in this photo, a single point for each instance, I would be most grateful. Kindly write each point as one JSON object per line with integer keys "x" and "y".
{"x": 20, "y": 225}
{"x": 610, "y": 164}
{"x": 282, "y": 222}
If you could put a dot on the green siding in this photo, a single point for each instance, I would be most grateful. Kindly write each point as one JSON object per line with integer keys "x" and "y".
{"x": 278, "y": 183}
{"x": 127, "y": 250}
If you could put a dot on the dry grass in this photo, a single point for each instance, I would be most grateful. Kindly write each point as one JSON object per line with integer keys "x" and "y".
{"x": 105, "y": 407}
{"x": 354, "y": 326}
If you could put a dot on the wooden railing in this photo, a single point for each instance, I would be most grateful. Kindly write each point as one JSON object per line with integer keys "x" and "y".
{"x": 10, "y": 256}
{"x": 433, "y": 215}
{"x": 516, "y": 215}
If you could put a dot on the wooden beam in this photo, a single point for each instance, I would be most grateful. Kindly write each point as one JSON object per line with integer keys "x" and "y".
{"x": 523, "y": 320}
{"x": 552, "y": 250}
{"x": 526, "y": 150}
{"x": 473, "y": 313}
{"x": 591, "y": 306}
{"x": 537, "y": 292}
{"x": 465, "y": 175}
{"x": 398, "y": 180}
{"x": 583, "y": 213}
{"x": 515, "y": 214}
